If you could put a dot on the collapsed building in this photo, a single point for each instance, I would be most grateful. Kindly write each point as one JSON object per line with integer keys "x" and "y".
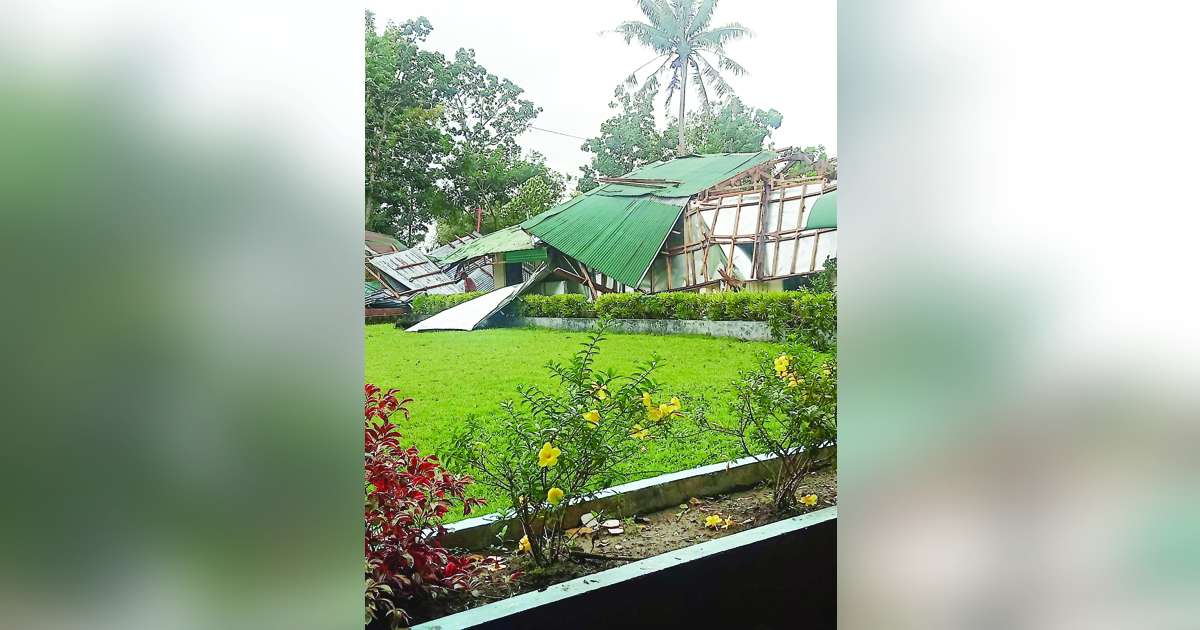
{"x": 394, "y": 274}
{"x": 727, "y": 221}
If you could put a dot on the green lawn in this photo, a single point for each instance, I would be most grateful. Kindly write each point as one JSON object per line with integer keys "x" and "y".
{"x": 452, "y": 375}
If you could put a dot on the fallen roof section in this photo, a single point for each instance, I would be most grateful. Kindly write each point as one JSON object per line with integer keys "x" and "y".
{"x": 507, "y": 240}
{"x": 617, "y": 236}
{"x": 687, "y": 175}
{"x": 412, "y": 270}
{"x": 382, "y": 243}
{"x": 442, "y": 251}
{"x": 469, "y": 315}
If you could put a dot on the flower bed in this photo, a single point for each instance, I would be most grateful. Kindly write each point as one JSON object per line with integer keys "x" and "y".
{"x": 642, "y": 538}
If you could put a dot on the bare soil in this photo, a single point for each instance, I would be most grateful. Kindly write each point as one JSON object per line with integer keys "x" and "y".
{"x": 644, "y": 536}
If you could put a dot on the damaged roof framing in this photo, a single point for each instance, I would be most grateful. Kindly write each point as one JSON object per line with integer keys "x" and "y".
{"x": 685, "y": 223}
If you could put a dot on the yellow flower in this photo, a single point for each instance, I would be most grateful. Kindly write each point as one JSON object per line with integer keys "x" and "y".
{"x": 665, "y": 410}
{"x": 793, "y": 383}
{"x": 676, "y": 406}
{"x": 548, "y": 456}
{"x": 602, "y": 393}
{"x": 809, "y": 500}
{"x": 555, "y": 496}
{"x": 646, "y": 400}
{"x": 639, "y": 432}
{"x": 654, "y": 414}
{"x": 593, "y": 418}
{"x": 781, "y": 363}
{"x": 713, "y": 521}
{"x": 727, "y": 523}
{"x": 524, "y": 545}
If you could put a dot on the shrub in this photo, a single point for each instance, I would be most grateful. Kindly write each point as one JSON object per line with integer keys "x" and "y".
{"x": 407, "y": 495}
{"x": 425, "y": 305}
{"x": 804, "y": 316}
{"x": 533, "y": 305}
{"x": 619, "y": 305}
{"x": 552, "y": 448}
{"x": 564, "y": 305}
{"x": 786, "y": 407}
{"x": 807, "y": 318}
{"x": 825, "y": 281}
{"x": 682, "y": 305}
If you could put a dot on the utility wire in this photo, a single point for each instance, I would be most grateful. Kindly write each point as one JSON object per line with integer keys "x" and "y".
{"x": 559, "y": 133}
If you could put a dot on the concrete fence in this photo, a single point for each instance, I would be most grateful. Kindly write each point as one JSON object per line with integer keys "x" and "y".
{"x": 748, "y": 331}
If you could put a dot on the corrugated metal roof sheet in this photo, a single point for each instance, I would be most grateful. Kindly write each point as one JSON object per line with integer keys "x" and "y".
{"x": 617, "y": 236}
{"x": 414, "y": 270}
{"x": 470, "y": 314}
{"x": 823, "y": 213}
{"x": 442, "y": 251}
{"x": 381, "y": 243}
{"x": 693, "y": 172}
{"x": 482, "y": 278}
{"x": 507, "y": 240}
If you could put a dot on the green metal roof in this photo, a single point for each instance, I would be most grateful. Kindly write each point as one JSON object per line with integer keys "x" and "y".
{"x": 536, "y": 254}
{"x": 693, "y": 172}
{"x": 507, "y": 240}
{"x": 617, "y": 236}
{"x": 618, "y": 229}
{"x": 823, "y": 213}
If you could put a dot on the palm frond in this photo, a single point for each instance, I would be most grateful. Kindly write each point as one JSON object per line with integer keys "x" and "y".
{"x": 646, "y": 35}
{"x": 631, "y": 80}
{"x": 703, "y": 16}
{"x": 715, "y": 39}
{"x": 725, "y": 63}
{"x": 685, "y": 11}
{"x": 651, "y": 82}
{"x": 718, "y": 82}
{"x": 660, "y": 14}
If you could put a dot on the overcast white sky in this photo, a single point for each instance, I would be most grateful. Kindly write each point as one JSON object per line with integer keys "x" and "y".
{"x": 553, "y": 49}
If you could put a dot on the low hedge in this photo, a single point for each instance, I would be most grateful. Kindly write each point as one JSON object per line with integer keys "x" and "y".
{"x": 424, "y": 306}
{"x": 565, "y": 305}
{"x": 812, "y": 317}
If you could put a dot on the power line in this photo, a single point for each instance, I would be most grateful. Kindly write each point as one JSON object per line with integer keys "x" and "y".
{"x": 559, "y": 133}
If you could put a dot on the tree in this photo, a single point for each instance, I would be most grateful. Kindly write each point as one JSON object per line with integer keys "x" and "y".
{"x": 814, "y": 162}
{"x": 678, "y": 33}
{"x": 405, "y": 144}
{"x": 441, "y": 135}
{"x": 497, "y": 184}
{"x": 734, "y": 128}
{"x": 629, "y": 139}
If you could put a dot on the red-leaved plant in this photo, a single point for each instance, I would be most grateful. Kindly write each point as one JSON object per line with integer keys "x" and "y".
{"x": 407, "y": 495}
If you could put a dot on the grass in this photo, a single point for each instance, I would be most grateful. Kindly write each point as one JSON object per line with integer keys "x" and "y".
{"x": 453, "y": 375}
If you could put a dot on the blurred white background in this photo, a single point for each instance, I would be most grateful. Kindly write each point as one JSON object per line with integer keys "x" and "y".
{"x": 182, "y": 197}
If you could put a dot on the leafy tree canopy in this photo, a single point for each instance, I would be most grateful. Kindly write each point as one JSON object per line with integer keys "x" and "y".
{"x": 629, "y": 139}
{"x": 441, "y": 134}
{"x": 508, "y": 191}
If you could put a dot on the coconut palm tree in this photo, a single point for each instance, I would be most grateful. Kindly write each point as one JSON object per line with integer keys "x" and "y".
{"x": 678, "y": 32}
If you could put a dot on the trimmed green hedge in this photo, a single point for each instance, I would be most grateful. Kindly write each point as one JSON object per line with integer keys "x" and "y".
{"x": 424, "y": 306}
{"x": 811, "y": 317}
{"x": 565, "y": 305}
